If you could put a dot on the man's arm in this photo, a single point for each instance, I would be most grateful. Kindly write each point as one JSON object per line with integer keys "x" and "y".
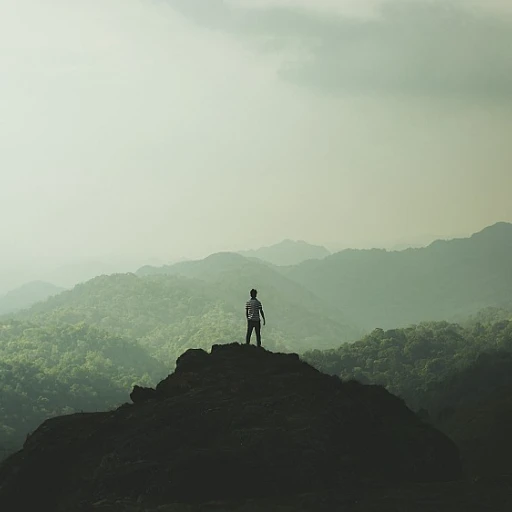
{"x": 247, "y": 311}
{"x": 262, "y": 315}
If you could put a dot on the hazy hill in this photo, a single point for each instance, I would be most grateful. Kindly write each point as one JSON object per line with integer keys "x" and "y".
{"x": 203, "y": 304}
{"x": 490, "y": 315}
{"x": 305, "y": 318}
{"x": 376, "y": 288}
{"x": 73, "y": 273}
{"x": 26, "y": 295}
{"x": 288, "y": 252}
{"x": 165, "y": 313}
{"x": 238, "y": 425}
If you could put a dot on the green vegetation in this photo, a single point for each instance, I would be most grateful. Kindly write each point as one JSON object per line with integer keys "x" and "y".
{"x": 198, "y": 304}
{"x": 166, "y": 315}
{"x": 409, "y": 361}
{"x": 52, "y": 370}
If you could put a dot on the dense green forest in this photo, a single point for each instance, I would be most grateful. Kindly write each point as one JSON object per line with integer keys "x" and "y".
{"x": 169, "y": 313}
{"x": 51, "y": 370}
{"x": 409, "y": 361}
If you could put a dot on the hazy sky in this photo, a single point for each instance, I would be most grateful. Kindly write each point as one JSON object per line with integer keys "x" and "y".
{"x": 132, "y": 129}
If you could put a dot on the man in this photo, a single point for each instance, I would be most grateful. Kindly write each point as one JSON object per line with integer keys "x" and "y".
{"x": 253, "y": 308}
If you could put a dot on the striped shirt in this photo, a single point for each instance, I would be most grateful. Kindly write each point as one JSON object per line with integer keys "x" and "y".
{"x": 253, "y": 308}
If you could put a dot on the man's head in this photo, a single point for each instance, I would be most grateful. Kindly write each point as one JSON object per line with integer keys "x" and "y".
{"x": 254, "y": 293}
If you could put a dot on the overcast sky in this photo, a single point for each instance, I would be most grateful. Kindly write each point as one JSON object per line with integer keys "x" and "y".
{"x": 136, "y": 129}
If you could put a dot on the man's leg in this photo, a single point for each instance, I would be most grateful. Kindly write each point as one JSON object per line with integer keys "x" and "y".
{"x": 250, "y": 327}
{"x": 258, "y": 333}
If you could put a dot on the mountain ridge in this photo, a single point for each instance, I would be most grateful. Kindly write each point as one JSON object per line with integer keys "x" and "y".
{"x": 26, "y": 295}
{"x": 379, "y": 288}
{"x": 169, "y": 312}
{"x": 287, "y": 252}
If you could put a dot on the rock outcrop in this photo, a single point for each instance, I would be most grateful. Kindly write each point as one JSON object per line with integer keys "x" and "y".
{"x": 238, "y": 423}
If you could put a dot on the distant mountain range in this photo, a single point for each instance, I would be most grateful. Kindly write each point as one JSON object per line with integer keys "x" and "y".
{"x": 377, "y": 288}
{"x": 304, "y": 318}
{"x": 318, "y": 303}
{"x": 198, "y": 303}
{"x": 447, "y": 279}
{"x": 288, "y": 252}
{"x": 27, "y": 295}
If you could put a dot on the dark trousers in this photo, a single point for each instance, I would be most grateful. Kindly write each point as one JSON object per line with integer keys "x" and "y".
{"x": 256, "y": 325}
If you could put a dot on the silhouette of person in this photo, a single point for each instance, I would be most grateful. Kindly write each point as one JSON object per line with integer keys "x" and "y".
{"x": 253, "y": 309}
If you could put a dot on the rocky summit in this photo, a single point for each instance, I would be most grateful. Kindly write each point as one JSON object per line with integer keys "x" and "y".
{"x": 235, "y": 425}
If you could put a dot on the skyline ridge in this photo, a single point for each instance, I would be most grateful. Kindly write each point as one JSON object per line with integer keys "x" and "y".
{"x": 96, "y": 264}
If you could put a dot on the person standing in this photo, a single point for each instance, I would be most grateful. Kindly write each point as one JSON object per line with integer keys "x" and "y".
{"x": 253, "y": 310}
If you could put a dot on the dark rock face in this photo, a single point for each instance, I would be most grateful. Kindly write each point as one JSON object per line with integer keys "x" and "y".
{"x": 140, "y": 394}
{"x": 238, "y": 423}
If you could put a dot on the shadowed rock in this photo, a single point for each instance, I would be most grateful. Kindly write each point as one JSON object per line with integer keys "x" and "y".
{"x": 237, "y": 423}
{"x": 140, "y": 394}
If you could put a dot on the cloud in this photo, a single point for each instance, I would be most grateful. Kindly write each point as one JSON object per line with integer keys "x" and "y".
{"x": 422, "y": 48}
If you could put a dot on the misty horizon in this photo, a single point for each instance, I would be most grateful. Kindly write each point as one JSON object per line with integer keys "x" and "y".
{"x": 137, "y": 132}
{"x": 68, "y": 273}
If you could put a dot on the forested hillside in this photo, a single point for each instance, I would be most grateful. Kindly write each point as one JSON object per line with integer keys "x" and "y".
{"x": 57, "y": 369}
{"x": 409, "y": 361}
{"x": 457, "y": 378}
{"x": 305, "y": 319}
{"x": 447, "y": 280}
{"x": 169, "y": 313}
